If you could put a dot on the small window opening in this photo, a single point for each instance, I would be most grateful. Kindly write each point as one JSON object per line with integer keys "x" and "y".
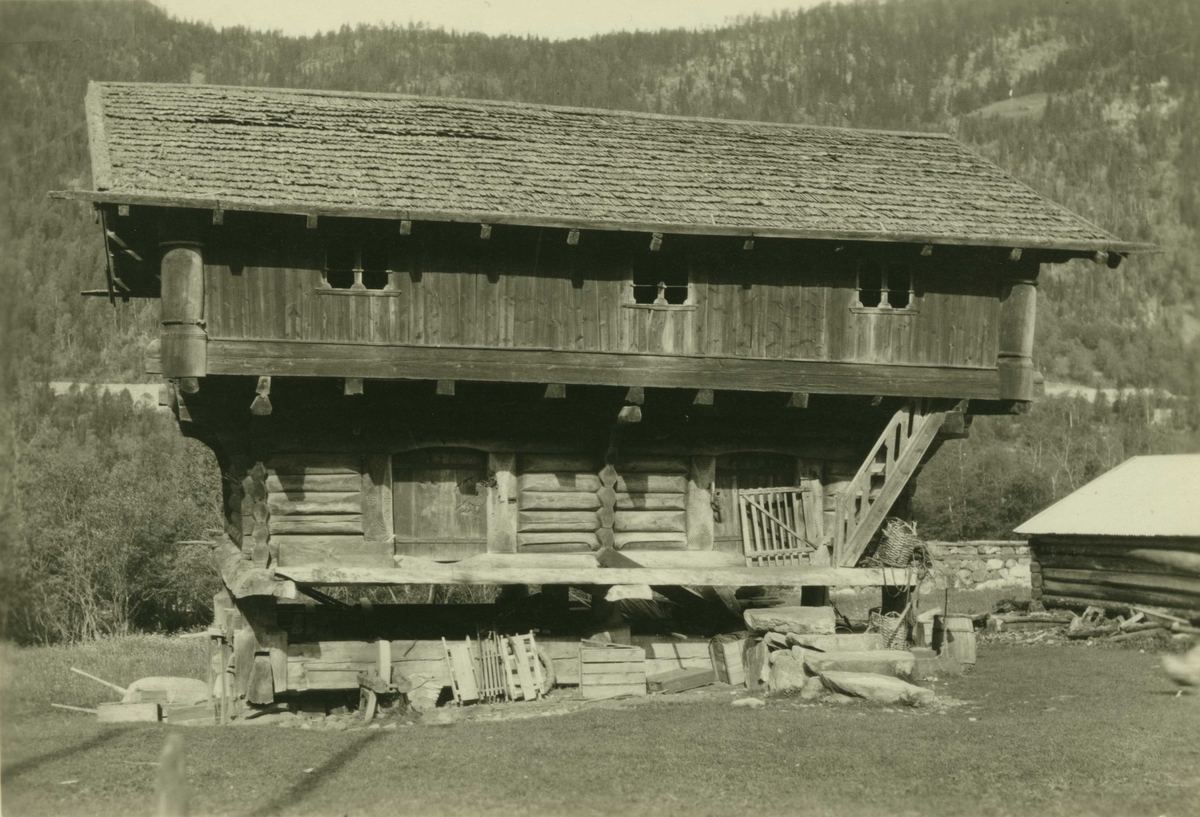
{"x": 356, "y": 265}
{"x": 871, "y": 287}
{"x": 661, "y": 280}
{"x": 899, "y": 286}
{"x": 375, "y": 267}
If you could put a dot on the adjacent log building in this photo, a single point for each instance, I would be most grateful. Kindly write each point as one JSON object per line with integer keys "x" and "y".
{"x": 1131, "y": 536}
{"x": 449, "y": 341}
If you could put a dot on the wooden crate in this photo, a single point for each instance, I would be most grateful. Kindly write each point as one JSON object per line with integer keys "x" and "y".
{"x": 611, "y": 671}
{"x": 128, "y": 713}
{"x": 726, "y": 655}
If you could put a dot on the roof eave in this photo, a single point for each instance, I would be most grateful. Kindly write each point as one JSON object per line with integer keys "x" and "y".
{"x": 1085, "y": 246}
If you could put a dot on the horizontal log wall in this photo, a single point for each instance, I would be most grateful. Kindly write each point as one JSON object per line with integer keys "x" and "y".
{"x": 323, "y": 508}
{"x": 1159, "y": 571}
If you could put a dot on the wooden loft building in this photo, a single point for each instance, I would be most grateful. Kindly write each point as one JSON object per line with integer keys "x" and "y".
{"x": 447, "y": 341}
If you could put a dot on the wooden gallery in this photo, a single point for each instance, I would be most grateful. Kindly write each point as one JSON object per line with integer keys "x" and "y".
{"x": 451, "y": 342}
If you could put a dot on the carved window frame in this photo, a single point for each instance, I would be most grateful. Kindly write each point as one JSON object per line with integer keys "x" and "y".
{"x": 357, "y": 288}
{"x": 884, "y": 306}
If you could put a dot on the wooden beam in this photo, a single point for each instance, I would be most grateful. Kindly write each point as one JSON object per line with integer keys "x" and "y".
{"x": 656, "y": 240}
{"x": 525, "y": 569}
{"x": 189, "y": 385}
{"x": 261, "y": 406}
{"x": 798, "y": 399}
{"x": 380, "y": 361}
{"x": 310, "y": 221}
{"x": 353, "y": 386}
{"x": 405, "y": 227}
{"x": 573, "y": 237}
{"x": 218, "y": 216}
{"x": 704, "y": 397}
{"x": 485, "y": 232}
{"x": 445, "y": 388}
{"x": 555, "y": 391}
{"x": 748, "y": 244}
{"x": 522, "y": 219}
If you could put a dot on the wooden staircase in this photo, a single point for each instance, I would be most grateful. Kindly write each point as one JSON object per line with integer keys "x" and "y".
{"x": 865, "y": 502}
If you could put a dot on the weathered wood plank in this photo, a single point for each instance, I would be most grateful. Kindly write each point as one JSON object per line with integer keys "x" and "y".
{"x": 501, "y": 504}
{"x": 651, "y": 502}
{"x": 287, "y": 358}
{"x": 589, "y": 483}
{"x": 314, "y": 503}
{"x": 651, "y": 484}
{"x": 319, "y": 483}
{"x": 376, "y": 487}
{"x": 415, "y": 570}
{"x": 559, "y": 501}
{"x": 650, "y": 522}
{"x": 335, "y": 551}
{"x": 530, "y": 521}
{"x": 317, "y": 524}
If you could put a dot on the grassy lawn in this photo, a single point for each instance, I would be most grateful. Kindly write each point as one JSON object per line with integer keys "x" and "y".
{"x": 1040, "y": 730}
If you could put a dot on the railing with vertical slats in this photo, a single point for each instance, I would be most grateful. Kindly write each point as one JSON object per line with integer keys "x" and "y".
{"x": 773, "y": 527}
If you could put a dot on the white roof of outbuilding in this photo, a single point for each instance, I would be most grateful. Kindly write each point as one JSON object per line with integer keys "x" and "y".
{"x": 1143, "y": 496}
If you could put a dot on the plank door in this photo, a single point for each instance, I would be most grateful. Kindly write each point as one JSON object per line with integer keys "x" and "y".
{"x": 737, "y": 471}
{"x": 439, "y": 502}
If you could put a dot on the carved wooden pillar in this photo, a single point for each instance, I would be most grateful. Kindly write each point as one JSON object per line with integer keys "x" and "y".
{"x": 184, "y": 341}
{"x": 1018, "y": 311}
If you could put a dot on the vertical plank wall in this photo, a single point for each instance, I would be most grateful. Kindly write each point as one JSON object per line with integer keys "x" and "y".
{"x": 518, "y": 291}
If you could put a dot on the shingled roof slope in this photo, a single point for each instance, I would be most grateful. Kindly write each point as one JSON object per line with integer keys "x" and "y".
{"x": 445, "y": 159}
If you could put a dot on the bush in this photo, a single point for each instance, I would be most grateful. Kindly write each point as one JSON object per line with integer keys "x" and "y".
{"x": 109, "y": 497}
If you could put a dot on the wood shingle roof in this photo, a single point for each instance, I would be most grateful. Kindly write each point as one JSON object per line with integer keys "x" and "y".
{"x": 420, "y": 158}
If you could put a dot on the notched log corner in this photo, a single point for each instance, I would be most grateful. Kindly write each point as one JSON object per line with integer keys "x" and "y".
{"x": 244, "y": 579}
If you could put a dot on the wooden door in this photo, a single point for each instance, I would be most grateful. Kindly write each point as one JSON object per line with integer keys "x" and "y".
{"x": 439, "y": 502}
{"x": 736, "y": 471}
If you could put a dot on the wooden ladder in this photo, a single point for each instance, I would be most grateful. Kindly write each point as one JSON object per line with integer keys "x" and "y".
{"x": 863, "y": 504}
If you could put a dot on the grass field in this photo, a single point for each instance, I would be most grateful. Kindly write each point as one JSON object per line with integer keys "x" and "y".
{"x": 1036, "y": 730}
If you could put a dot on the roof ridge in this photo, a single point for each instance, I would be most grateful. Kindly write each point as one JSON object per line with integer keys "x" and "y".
{"x": 501, "y": 103}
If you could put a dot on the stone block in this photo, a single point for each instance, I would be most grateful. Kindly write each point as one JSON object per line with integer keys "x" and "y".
{"x": 1020, "y": 572}
{"x": 800, "y": 620}
{"x": 995, "y": 564}
{"x": 880, "y": 688}
{"x": 814, "y": 688}
{"x": 925, "y": 663}
{"x": 979, "y": 575}
{"x": 897, "y": 663}
{"x": 839, "y": 642}
{"x": 787, "y": 673}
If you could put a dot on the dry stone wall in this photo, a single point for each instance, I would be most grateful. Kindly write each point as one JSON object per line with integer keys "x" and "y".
{"x": 980, "y": 565}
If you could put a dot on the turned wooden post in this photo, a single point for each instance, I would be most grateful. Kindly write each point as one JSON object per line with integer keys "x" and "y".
{"x": 184, "y": 341}
{"x": 1018, "y": 311}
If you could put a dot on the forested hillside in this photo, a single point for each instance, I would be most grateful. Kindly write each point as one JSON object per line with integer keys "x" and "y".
{"x": 1094, "y": 103}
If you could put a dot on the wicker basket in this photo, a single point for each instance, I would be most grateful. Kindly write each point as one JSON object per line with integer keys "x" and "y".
{"x": 893, "y": 627}
{"x": 899, "y": 541}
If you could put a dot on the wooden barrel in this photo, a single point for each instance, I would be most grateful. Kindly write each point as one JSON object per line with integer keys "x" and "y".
{"x": 959, "y": 638}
